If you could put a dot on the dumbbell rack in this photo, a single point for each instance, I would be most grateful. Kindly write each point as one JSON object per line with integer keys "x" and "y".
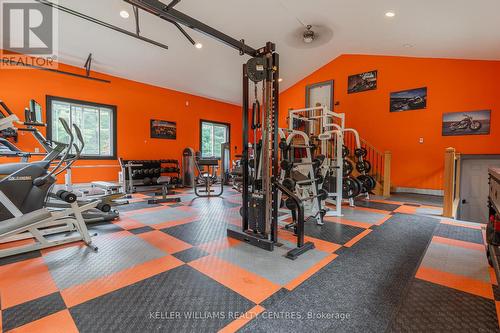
{"x": 146, "y": 172}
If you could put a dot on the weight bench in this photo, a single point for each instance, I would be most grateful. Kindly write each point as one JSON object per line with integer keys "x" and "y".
{"x": 165, "y": 191}
{"x": 109, "y": 188}
{"x": 64, "y": 226}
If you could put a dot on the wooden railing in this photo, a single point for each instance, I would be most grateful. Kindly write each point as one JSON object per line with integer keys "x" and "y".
{"x": 380, "y": 163}
{"x": 451, "y": 186}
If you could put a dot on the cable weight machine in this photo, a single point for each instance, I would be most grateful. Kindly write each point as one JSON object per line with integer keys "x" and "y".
{"x": 260, "y": 205}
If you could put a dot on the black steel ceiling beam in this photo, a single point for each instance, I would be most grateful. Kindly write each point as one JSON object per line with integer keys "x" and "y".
{"x": 170, "y": 14}
{"x": 102, "y": 23}
{"x": 51, "y": 70}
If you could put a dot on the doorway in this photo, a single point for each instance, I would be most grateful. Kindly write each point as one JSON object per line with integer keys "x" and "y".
{"x": 474, "y": 187}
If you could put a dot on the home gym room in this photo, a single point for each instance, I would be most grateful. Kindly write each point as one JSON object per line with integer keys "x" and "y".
{"x": 249, "y": 166}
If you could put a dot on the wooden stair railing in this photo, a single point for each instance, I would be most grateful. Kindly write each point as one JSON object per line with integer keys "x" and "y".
{"x": 451, "y": 184}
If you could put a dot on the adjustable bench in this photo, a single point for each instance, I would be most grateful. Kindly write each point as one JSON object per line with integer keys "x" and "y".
{"x": 64, "y": 226}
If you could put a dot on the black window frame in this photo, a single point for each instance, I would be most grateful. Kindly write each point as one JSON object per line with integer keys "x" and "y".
{"x": 114, "y": 109}
{"x": 217, "y": 123}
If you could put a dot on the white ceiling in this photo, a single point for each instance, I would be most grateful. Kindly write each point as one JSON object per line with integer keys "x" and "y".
{"x": 435, "y": 28}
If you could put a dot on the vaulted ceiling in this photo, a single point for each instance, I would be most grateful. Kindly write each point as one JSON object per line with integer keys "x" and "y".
{"x": 428, "y": 28}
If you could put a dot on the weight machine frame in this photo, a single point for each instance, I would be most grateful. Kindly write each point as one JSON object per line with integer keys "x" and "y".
{"x": 270, "y": 168}
{"x": 327, "y": 129}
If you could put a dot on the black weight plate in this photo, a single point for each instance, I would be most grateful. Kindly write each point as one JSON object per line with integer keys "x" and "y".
{"x": 360, "y": 152}
{"x": 347, "y": 168}
{"x": 350, "y": 188}
{"x": 363, "y": 166}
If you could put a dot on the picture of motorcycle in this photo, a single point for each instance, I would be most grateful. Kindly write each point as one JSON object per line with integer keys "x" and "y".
{"x": 467, "y": 123}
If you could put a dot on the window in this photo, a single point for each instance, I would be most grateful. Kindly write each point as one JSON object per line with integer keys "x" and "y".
{"x": 212, "y": 136}
{"x": 96, "y": 121}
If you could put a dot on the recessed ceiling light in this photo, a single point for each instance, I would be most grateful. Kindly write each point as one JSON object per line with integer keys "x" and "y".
{"x": 124, "y": 14}
{"x": 198, "y": 45}
{"x": 390, "y": 14}
{"x": 408, "y": 45}
{"x": 280, "y": 80}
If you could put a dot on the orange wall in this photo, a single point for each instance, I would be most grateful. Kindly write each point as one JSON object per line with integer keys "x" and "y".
{"x": 453, "y": 86}
{"x": 136, "y": 103}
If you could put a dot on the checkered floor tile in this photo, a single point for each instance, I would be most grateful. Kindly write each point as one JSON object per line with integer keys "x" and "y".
{"x": 171, "y": 267}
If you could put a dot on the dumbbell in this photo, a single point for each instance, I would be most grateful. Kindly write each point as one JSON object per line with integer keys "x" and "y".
{"x": 345, "y": 151}
{"x": 290, "y": 203}
{"x": 154, "y": 180}
{"x": 157, "y": 171}
{"x": 363, "y": 166}
{"x": 289, "y": 165}
{"x": 147, "y": 181}
{"x": 360, "y": 152}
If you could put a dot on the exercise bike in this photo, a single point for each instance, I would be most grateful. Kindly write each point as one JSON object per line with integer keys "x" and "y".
{"x": 207, "y": 177}
{"x": 103, "y": 212}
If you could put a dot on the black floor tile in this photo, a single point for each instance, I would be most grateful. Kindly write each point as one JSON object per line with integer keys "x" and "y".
{"x": 341, "y": 250}
{"x": 332, "y": 232}
{"x": 430, "y": 307}
{"x": 198, "y": 232}
{"x": 376, "y": 205}
{"x": 30, "y": 311}
{"x": 190, "y": 254}
{"x": 103, "y": 228}
{"x": 274, "y": 298}
{"x": 141, "y": 230}
{"x": 135, "y": 206}
{"x": 19, "y": 257}
{"x": 459, "y": 233}
{"x": 146, "y": 305}
{"x": 364, "y": 284}
{"x": 411, "y": 205}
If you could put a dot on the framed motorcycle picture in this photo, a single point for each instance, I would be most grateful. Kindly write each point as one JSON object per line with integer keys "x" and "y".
{"x": 407, "y": 100}
{"x": 467, "y": 123}
{"x": 362, "y": 82}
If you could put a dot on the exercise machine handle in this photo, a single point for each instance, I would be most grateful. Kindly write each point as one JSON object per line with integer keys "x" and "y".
{"x": 6, "y": 108}
{"x": 300, "y": 212}
{"x": 78, "y": 150}
{"x": 41, "y": 180}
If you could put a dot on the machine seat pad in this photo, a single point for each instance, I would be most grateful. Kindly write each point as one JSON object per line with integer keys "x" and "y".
{"x": 209, "y": 161}
{"x": 24, "y": 221}
{"x": 163, "y": 180}
{"x": 105, "y": 185}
